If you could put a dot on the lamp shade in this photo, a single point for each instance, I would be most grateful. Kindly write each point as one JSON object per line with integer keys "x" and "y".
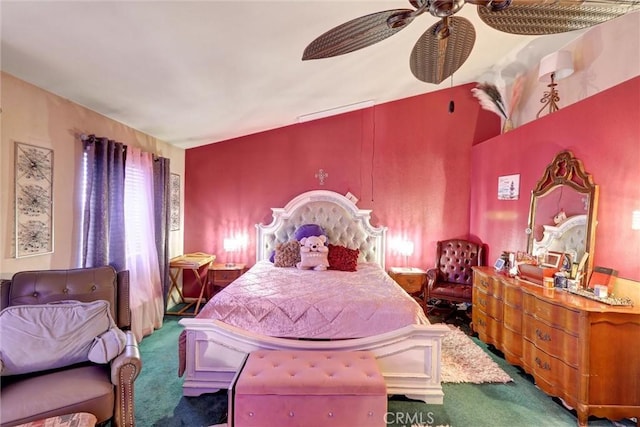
{"x": 231, "y": 245}
{"x": 559, "y": 63}
{"x": 405, "y": 247}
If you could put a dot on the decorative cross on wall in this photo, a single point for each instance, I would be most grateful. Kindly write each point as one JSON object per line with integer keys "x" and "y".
{"x": 321, "y": 175}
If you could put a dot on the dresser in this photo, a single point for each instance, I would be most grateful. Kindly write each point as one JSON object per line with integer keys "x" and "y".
{"x": 580, "y": 350}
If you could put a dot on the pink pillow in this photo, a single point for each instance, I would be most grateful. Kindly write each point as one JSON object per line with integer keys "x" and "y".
{"x": 342, "y": 258}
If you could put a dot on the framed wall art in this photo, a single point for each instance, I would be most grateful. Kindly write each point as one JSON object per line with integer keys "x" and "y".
{"x": 174, "y": 200}
{"x": 509, "y": 187}
{"x": 33, "y": 172}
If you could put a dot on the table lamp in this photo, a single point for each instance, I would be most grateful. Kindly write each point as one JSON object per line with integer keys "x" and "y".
{"x": 231, "y": 245}
{"x": 553, "y": 67}
{"x": 405, "y": 248}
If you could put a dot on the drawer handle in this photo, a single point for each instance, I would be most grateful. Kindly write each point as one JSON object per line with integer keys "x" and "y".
{"x": 542, "y": 365}
{"x": 482, "y": 302}
{"x": 484, "y": 283}
{"x": 542, "y": 336}
{"x": 481, "y": 322}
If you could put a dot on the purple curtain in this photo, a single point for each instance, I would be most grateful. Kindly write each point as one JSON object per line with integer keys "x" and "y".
{"x": 161, "y": 202}
{"x": 103, "y": 239}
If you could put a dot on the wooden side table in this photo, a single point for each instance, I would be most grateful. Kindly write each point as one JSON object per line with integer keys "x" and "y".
{"x": 194, "y": 262}
{"x": 220, "y": 275}
{"x": 413, "y": 281}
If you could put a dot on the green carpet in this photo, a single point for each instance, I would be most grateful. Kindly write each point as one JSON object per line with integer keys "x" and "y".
{"x": 159, "y": 400}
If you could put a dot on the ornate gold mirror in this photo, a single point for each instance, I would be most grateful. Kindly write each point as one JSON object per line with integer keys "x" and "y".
{"x": 562, "y": 216}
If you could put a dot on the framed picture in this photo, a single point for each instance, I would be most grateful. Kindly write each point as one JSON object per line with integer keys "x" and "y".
{"x": 33, "y": 178}
{"x": 567, "y": 262}
{"x": 553, "y": 259}
{"x": 499, "y": 264}
{"x": 174, "y": 200}
{"x": 509, "y": 187}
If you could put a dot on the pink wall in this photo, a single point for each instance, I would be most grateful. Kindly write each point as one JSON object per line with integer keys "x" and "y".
{"x": 409, "y": 161}
{"x": 427, "y": 174}
{"x": 604, "y": 132}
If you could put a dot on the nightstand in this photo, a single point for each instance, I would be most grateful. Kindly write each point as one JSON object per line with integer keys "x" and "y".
{"x": 220, "y": 275}
{"x": 413, "y": 281}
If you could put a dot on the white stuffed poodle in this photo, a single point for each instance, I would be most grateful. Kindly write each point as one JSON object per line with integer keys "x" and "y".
{"x": 313, "y": 253}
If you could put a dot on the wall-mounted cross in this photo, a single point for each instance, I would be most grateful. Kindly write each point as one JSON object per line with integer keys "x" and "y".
{"x": 321, "y": 175}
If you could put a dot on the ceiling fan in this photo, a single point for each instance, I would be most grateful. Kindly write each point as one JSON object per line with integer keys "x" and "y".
{"x": 446, "y": 45}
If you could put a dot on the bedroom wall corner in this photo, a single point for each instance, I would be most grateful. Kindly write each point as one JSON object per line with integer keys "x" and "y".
{"x": 408, "y": 160}
{"x": 33, "y": 116}
{"x": 601, "y": 131}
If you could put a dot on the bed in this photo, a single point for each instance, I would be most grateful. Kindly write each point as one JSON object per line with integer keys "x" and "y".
{"x": 392, "y": 325}
{"x": 568, "y": 237}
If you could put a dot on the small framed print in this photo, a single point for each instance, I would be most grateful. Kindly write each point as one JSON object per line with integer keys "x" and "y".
{"x": 499, "y": 265}
{"x": 553, "y": 259}
{"x": 509, "y": 187}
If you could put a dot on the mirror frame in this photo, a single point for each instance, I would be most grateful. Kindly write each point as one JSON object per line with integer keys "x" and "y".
{"x": 567, "y": 170}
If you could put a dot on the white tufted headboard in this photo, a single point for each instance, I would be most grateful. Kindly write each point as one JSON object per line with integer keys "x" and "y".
{"x": 341, "y": 219}
{"x": 568, "y": 237}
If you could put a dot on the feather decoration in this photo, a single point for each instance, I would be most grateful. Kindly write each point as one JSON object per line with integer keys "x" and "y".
{"x": 516, "y": 94}
{"x": 490, "y": 98}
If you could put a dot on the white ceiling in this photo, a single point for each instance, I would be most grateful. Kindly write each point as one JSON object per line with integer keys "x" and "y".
{"x": 194, "y": 72}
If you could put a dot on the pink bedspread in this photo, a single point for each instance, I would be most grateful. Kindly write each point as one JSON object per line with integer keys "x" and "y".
{"x": 292, "y": 303}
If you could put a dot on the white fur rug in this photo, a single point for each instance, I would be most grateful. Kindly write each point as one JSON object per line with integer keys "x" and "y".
{"x": 463, "y": 361}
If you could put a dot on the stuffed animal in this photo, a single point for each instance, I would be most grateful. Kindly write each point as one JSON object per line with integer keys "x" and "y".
{"x": 560, "y": 217}
{"x": 313, "y": 253}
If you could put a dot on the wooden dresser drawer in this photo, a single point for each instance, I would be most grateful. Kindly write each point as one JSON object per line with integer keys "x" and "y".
{"x": 489, "y": 329}
{"x": 512, "y": 346}
{"x": 488, "y": 284}
{"x": 551, "y": 374}
{"x": 479, "y": 322}
{"x": 552, "y": 314}
{"x": 512, "y": 296}
{"x": 512, "y": 318}
{"x": 551, "y": 340}
{"x": 488, "y": 304}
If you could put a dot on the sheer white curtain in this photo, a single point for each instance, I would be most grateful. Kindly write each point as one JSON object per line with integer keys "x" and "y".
{"x": 146, "y": 297}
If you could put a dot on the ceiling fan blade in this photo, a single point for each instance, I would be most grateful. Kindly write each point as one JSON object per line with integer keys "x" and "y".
{"x": 358, "y": 33}
{"x": 534, "y": 17}
{"x": 442, "y": 49}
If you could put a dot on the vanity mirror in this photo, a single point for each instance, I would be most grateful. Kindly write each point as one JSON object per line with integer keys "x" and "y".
{"x": 562, "y": 215}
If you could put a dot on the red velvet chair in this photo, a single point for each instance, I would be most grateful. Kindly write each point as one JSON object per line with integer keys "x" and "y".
{"x": 451, "y": 281}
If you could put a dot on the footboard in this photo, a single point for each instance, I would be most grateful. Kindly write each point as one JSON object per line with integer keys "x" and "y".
{"x": 409, "y": 357}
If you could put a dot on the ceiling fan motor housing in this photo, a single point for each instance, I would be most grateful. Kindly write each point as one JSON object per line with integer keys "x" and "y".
{"x": 444, "y": 8}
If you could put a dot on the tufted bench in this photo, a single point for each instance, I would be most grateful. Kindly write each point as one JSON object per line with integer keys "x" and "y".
{"x": 309, "y": 388}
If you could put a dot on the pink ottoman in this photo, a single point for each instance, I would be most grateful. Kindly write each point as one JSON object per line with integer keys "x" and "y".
{"x": 309, "y": 388}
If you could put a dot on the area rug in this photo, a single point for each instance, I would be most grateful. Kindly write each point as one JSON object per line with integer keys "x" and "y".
{"x": 463, "y": 361}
